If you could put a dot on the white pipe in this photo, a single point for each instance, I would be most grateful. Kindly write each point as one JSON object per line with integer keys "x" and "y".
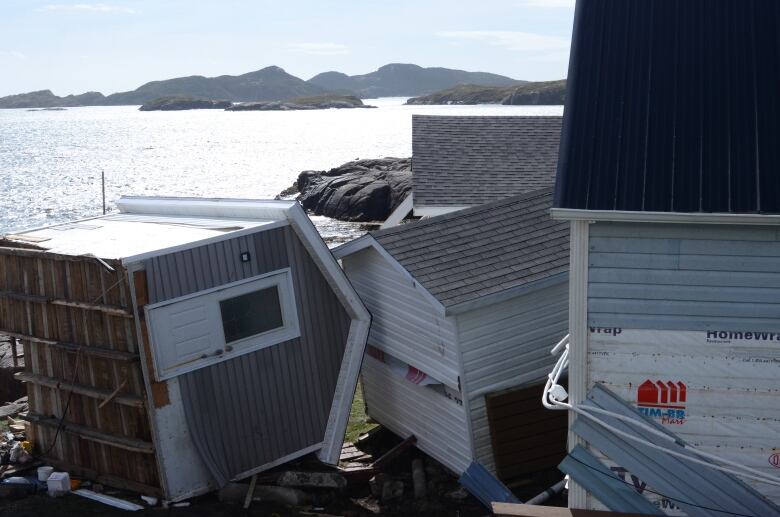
{"x": 557, "y": 403}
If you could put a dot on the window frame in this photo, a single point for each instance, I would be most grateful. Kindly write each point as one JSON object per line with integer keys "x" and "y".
{"x": 157, "y": 316}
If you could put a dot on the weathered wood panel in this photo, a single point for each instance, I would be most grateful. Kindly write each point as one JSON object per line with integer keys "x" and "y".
{"x": 71, "y": 314}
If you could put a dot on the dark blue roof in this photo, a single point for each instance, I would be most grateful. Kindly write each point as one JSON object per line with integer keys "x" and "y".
{"x": 673, "y": 106}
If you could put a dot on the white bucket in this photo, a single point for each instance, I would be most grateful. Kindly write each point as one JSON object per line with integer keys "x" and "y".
{"x": 44, "y": 473}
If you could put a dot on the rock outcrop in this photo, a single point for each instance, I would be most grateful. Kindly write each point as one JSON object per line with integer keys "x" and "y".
{"x": 541, "y": 93}
{"x": 319, "y": 102}
{"x": 183, "y": 103}
{"x": 362, "y": 190}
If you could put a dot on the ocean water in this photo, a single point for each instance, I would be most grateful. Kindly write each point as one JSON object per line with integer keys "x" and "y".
{"x": 51, "y": 161}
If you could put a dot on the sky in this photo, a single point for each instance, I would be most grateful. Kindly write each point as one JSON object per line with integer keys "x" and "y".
{"x": 72, "y": 47}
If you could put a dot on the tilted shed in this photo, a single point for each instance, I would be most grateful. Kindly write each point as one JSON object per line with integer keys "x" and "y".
{"x": 182, "y": 343}
{"x": 669, "y": 175}
{"x": 465, "y": 308}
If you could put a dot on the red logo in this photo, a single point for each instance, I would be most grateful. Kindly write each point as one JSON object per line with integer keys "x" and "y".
{"x": 661, "y": 394}
{"x": 774, "y": 460}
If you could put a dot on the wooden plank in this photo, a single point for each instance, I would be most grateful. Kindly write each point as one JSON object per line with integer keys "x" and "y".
{"x": 113, "y": 395}
{"x": 128, "y": 444}
{"x": 250, "y": 493}
{"x": 96, "y": 351}
{"x": 80, "y": 389}
{"x": 160, "y": 395}
{"x": 393, "y": 453}
{"x": 37, "y": 298}
{"x": 526, "y": 510}
{"x": 41, "y": 253}
{"x": 98, "y": 307}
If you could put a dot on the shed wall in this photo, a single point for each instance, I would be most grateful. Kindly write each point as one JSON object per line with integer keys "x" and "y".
{"x": 438, "y": 422}
{"x": 508, "y": 345}
{"x": 405, "y": 324}
{"x": 684, "y": 277}
{"x": 74, "y": 318}
{"x": 280, "y": 395}
{"x": 697, "y": 307}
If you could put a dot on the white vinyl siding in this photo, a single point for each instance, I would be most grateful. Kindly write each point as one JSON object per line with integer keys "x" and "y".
{"x": 666, "y": 287}
{"x": 405, "y": 324}
{"x": 507, "y": 345}
{"x": 438, "y": 422}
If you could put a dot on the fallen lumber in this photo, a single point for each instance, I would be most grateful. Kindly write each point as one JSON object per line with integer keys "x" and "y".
{"x": 391, "y": 455}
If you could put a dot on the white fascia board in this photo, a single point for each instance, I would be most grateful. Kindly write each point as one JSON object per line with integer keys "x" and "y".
{"x": 352, "y": 360}
{"x": 663, "y": 217}
{"x": 368, "y": 241}
{"x": 205, "y": 207}
{"x": 352, "y": 246}
{"x": 433, "y": 211}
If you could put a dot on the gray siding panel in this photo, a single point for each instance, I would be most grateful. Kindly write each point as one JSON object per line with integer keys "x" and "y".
{"x": 684, "y": 277}
{"x": 508, "y": 345}
{"x": 249, "y": 411}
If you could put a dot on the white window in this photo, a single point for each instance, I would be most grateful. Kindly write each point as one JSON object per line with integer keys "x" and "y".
{"x": 211, "y": 326}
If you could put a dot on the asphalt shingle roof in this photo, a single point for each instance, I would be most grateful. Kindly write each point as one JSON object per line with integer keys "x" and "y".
{"x": 480, "y": 251}
{"x": 468, "y": 161}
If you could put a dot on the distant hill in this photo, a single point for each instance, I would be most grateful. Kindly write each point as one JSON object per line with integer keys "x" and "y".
{"x": 403, "y": 80}
{"x": 46, "y": 99}
{"x": 541, "y": 93}
{"x": 273, "y": 84}
{"x": 268, "y": 84}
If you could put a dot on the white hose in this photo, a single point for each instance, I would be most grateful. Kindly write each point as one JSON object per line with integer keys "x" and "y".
{"x": 553, "y": 403}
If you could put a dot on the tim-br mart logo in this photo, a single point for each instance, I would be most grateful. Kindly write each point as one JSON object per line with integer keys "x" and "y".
{"x": 664, "y": 400}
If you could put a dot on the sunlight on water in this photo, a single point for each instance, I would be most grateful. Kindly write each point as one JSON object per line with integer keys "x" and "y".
{"x": 50, "y": 161}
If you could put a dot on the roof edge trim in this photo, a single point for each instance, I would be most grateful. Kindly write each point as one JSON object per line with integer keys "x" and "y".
{"x": 664, "y": 217}
{"x": 205, "y": 207}
{"x": 368, "y": 241}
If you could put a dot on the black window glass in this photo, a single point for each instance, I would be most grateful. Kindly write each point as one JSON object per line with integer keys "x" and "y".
{"x": 251, "y": 313}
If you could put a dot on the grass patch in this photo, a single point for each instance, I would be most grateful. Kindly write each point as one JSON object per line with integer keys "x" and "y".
{"x": 358, "y": 420}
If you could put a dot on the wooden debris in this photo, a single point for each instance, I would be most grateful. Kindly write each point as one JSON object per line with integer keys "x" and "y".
{"x": 391, "y": 455}
{"x": 312, "y": 479}
{"x": 250, "y": 493}
{"x": 351, "y": 453}
{"x": 113, "y": 394}
{"x": 418, "y": 478}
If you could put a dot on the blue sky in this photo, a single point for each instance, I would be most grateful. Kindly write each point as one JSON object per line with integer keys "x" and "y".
{"x": 72, "y": 47}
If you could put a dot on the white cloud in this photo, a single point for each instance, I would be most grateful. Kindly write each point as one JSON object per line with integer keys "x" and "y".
{"x": 511, "y": 40}
{"x": 12, "y": 54}
{"x": 319, "y": 49}
{"x": 95, "y": 8}
{"x": 548, "y": 3}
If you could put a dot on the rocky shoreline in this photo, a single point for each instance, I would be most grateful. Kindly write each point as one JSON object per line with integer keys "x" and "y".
{"x": 319, "y": 102}
{"x": 540, "y": 93}
{"x": 357, "y": 191}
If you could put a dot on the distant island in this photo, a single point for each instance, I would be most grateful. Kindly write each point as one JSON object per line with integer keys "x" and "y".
{"x": 319, "y": 102}
{"x": 273, "y": 84}
{"x": 541, "y": 93}
{"x": 184, "y": 103}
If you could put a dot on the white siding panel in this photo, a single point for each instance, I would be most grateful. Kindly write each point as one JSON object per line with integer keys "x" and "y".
{"x": 405, "y": 324}
{"x": 683, "y": 297}
{"x": 438, "y": 423}
{"x": 508, "y": 345}
{"x": 483, "y": 447}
